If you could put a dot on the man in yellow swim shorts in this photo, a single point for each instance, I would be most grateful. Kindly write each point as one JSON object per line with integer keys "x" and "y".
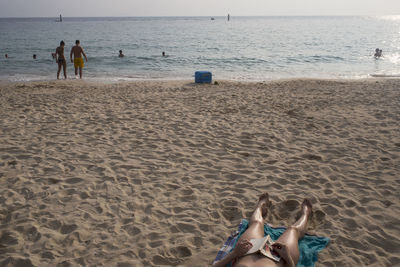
{"x": 77, "y": 51}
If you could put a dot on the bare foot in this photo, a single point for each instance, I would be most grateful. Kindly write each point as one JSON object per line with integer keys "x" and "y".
{"x": 306, "y": 207}
{"x": 264, "y": 203}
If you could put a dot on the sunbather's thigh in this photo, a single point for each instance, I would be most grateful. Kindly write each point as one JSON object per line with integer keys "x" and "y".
{"x": 255, "y": 230}
{"x": 291, "y": 239}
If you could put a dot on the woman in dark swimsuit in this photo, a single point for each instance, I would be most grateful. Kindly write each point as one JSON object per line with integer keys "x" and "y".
{"x": 60, "y": 59}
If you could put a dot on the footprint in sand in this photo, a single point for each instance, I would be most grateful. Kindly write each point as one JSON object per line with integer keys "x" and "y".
{"x": 68, "y": 228}
{"x": 64, "y": 264}
{"x": 53, "y": 181}
{"x": 312, "y": 157}
{"x": 27, "y": 193}
{"x": 181, "y": 251}
{"x": 350, "y": 203}
{"x": 331, "y": 210}
{"x": 163, "y": 260}
{"x": 8, "y": 239}
{"x": 318, "y": 217}
{"x": 186, "y": 228}
{"x": 74, "y": 180}
{"x": 47, "y": 255}
{"x": 285, "y": 208}
{"x": 55, "y": 225}
{"x": 349, "y": 224}
{"x": 17, "y": 262}
{"x": 131, "y": 230}
{"x": 33, "y": 235}
{"x": 12, "y": 163}
{"x": 126, "y": 264}
{"x": 231, "y": 209}
{"x": 290, "y": 204}
{"x": 230, "y": 213}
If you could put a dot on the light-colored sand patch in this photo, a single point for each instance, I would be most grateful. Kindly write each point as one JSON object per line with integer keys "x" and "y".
{"x": 160, "y": 173}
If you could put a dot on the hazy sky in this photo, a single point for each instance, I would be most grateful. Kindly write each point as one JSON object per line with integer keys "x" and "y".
{"x": 82, "y": 8}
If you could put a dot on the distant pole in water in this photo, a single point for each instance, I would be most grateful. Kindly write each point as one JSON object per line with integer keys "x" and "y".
{"x": 229, "y": 17}
{"x": 60, "y": 18}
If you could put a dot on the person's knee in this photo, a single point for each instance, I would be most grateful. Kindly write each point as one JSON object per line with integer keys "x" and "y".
{"x": 257, "y": 221}
{"x": 293, "y": 230}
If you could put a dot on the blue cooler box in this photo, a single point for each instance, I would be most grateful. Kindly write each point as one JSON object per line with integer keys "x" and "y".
{"x": 202, "y": 77}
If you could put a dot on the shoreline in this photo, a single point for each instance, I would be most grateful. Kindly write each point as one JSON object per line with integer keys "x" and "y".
{"x": 104, "y": 81}
{"x": 160, "y": 173}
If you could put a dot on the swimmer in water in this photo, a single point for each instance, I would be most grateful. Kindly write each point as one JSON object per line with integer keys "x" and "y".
{"x": 378, "y": 53}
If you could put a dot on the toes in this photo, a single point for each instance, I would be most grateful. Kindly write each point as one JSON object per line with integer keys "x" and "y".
{"x": 307, "y": 202}
{"x": 264, "y": 196}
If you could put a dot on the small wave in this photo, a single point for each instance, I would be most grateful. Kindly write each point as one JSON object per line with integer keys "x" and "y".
{"x": 314, "y": 59}
{"x": 232, "y": 60}
{"x": 327, "y": 58}
{"x": 25, "y": 78}
{"x": 147, "y": 58}
{"x": 385, "y": 75}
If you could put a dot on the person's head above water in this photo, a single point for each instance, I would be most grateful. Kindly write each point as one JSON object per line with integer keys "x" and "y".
{"x": 62, "y": 43}
{"x": 77, "y": 42}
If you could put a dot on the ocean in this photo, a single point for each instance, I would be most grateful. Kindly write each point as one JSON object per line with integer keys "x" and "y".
{"x": 244, "y": 48}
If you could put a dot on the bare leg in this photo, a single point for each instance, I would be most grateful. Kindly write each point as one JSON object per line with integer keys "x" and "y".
{"x": 256, "y": 226}
{"x": 58, "y": 71}
{"x": 65, "y": 69}
{"x": 80, "y": 73}
{"x": 76, "y": 71}
{"x": 295, "y": 232}
{"x": 255, "y": 230}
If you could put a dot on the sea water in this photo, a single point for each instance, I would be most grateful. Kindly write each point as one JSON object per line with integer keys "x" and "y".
{"x": 244, "y": 48}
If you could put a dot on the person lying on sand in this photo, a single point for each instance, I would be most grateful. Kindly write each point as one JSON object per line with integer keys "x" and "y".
{"x": 286, "y": 246}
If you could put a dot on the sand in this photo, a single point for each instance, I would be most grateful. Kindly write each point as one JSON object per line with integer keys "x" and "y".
{"x": 159, "y": 173}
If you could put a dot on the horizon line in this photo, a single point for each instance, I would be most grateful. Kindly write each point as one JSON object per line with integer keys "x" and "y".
{"x": 195, "y": 16}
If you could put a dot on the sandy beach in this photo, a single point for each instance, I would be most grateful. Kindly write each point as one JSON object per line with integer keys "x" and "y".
{"x": 159, "y": 173}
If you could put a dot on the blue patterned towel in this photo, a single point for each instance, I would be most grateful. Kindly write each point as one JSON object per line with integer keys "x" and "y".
{"x": 309, "y": 245}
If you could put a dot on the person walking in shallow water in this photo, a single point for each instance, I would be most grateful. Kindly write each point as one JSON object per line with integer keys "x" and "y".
{"x": 77, "y": 51}
{"x": 60, "y": 59}
{"x": 286, "y": 246}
